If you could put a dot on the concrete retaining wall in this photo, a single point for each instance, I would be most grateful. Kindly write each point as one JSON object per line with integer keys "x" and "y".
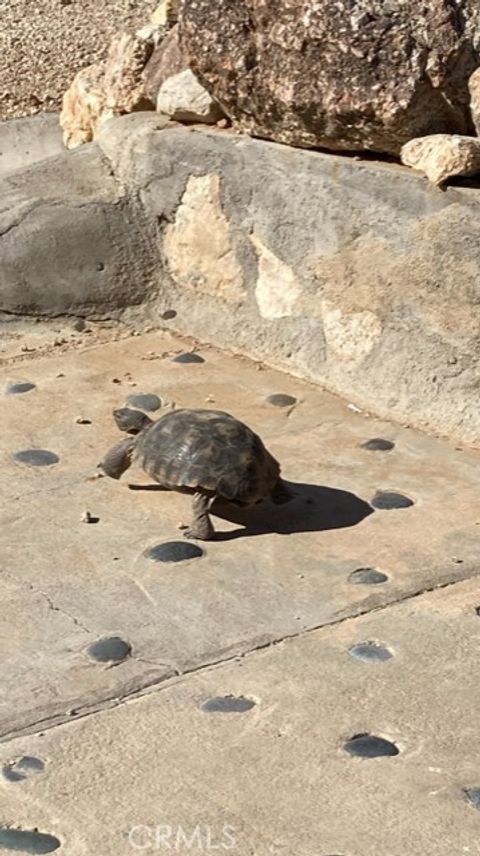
{"x": 354, "y": 274}
{"x": 26, "y": 141}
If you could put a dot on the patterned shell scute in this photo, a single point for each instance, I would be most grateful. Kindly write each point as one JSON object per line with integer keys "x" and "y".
{"x": 208, "y": 450}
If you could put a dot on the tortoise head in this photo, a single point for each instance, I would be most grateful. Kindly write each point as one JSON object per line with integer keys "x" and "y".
{"x": 131, "y": 421}
{"x": 118, "y": 458}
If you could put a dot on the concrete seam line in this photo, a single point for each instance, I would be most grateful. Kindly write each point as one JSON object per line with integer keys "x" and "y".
{"x": 169, "y": 680}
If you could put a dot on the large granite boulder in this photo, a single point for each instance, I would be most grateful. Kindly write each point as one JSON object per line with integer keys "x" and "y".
{"x": 354, "y": 74}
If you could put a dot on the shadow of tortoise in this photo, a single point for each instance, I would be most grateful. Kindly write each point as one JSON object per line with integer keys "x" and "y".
{"x": 314, "y": 508}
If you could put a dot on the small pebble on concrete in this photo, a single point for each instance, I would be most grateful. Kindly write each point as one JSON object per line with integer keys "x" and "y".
{"x": 88, "y": 517}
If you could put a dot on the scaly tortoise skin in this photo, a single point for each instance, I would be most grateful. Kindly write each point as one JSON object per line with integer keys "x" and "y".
{"x": 205, "y": 452}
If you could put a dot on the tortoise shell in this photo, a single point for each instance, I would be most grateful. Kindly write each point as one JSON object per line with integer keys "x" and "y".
{"x": 208, "y": 451}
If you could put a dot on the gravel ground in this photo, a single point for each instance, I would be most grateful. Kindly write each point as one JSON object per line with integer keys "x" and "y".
{"x": 43, "y": 43}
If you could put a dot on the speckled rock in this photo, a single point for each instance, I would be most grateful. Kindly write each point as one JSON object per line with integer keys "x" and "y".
{"x": 441, "y": 156}
{"x": 358, "y": 74}
{"x": 106, "y": 90}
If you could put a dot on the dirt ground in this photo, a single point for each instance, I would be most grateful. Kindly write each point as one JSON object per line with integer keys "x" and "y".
{"x": 44, "y": 44}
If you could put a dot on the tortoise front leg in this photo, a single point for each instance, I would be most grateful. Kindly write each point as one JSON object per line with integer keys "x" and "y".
{"x": 201, "y": 527}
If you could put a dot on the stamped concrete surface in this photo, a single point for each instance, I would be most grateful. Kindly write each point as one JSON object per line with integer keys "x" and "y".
{"x": 276, "y": 778}
{"x": 140, "y": 694}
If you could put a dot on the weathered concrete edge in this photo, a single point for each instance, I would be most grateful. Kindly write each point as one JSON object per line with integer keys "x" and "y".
{"x": 26, "y": 141}
{"x": 355, "y": 275}
{"x": 72, "y": 240}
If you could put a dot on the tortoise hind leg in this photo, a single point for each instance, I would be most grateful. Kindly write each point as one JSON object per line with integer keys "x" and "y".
{"x": 201, "y": 527}
{"x": 281, "y": 493}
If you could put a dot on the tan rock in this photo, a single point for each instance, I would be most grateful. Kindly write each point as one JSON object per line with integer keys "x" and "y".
{"x": 83, "y": 105}
{"x": 184, "y": 99}
{"x": 159, "y": 15}
{"x": 474, "y": 89}
{"x": 441, "y": 156}
{"x": 166, "y": 14}
{"x": 105, "y": 90}
{"x": 150, "y": 33}
{"x": 123, "y": 81}
{"x": 198, "y": 245}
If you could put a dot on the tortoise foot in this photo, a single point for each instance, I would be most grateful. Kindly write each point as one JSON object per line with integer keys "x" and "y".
{"x": 198, "y": 535}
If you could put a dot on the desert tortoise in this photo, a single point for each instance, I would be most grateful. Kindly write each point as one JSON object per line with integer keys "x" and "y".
{"x": 205, "y": 452}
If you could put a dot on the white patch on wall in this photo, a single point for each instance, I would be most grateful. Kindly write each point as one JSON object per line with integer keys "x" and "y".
{"x": 350, "y": 336}
{"x": 197, "y": 245}
{"x": 277, "y": 288}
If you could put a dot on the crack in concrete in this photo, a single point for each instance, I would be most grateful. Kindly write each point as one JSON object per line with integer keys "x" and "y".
{"x": 176, "y": 676}
{"x": 51, "y": 605}
{"x": 49, "y": 203}
{"x": 63, "y": 486}
{"x": 27, "y": 315}
{"x": 175, "y": 672}
{"x": 59, "y": 609}
{"x": 21, "y": 217}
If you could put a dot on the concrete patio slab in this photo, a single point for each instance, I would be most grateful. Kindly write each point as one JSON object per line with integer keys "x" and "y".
{"x": 162, "y": 773}
{"x": 269, "y": 575}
